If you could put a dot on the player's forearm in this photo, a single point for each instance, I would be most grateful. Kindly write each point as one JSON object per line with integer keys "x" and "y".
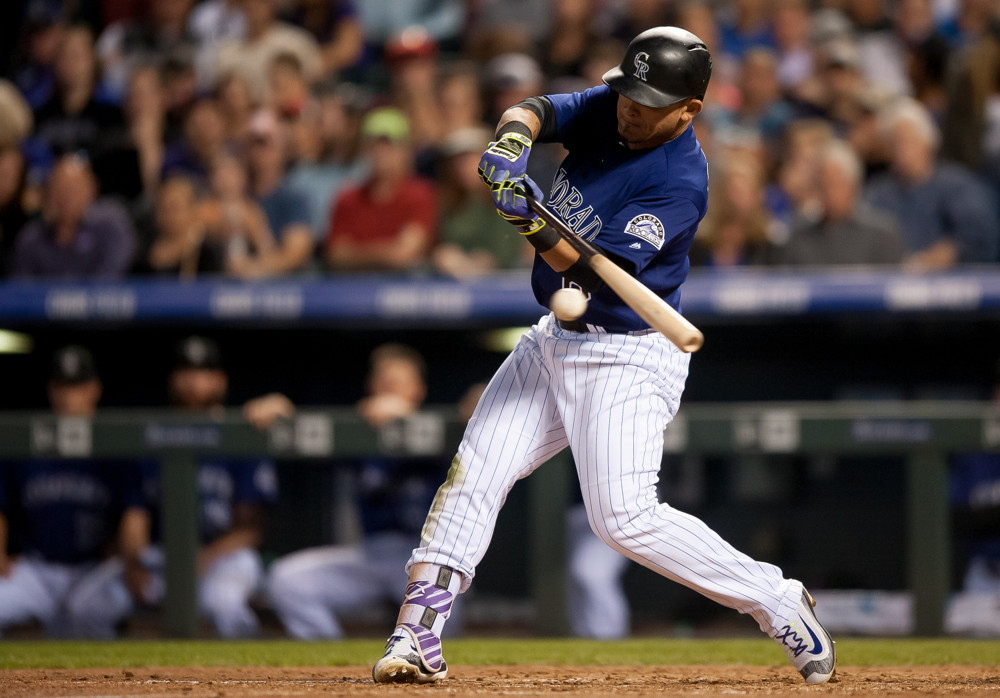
{"x": 519, "y": 115}
{"x": 133, "y": 537}
{"x": 236, "y": 539}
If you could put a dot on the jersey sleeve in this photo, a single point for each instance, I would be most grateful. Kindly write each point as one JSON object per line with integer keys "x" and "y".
{"x": 574, "y": 111}
{"x": 644, "y": 227}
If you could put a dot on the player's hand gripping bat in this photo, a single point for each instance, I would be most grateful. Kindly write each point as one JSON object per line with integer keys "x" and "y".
{"x": 644, "y": 302}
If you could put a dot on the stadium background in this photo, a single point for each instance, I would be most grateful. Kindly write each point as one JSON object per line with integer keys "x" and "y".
{"x": 749, "y": 357}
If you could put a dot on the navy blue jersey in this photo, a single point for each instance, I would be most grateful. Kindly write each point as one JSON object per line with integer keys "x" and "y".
{"x": 67, "y": 511}
{"x": 642, "y": 207}
{"x": 222, "y": 484}
{"x": 974, "y": 483}
{"x": 396, "y": 493}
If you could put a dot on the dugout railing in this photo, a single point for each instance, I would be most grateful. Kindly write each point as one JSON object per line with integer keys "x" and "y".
{"x": 924, "y": 433}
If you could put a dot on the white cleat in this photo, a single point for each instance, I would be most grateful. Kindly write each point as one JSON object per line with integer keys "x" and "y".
{"x": 808, "y": 645}
{"x": 401, "y": 664}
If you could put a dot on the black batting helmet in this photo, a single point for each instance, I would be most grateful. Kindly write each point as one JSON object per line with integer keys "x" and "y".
{"x": 662, "y": 66}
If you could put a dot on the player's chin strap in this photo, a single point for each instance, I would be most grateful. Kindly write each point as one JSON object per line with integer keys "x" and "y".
{"x": 427, "y": 604}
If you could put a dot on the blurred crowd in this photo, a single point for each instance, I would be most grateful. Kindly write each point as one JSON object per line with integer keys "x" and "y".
{"x": 257, "y": 138}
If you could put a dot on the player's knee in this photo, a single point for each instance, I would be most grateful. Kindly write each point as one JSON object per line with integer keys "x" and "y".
{"x": 286, "y": 587}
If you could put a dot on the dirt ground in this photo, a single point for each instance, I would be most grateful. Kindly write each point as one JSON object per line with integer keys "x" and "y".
{"x": 498, "y": 680}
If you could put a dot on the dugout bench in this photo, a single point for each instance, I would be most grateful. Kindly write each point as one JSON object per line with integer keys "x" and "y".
{"x": 923, "y": 432}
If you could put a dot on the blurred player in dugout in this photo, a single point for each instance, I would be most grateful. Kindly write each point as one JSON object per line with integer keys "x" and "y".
{"x": 59, "y": 518}
{"x": 233, "y": 494}
{"x": 312, "y": 590}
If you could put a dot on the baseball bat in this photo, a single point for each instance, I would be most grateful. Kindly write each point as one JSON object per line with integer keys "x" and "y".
{"x": 647, "y": 305}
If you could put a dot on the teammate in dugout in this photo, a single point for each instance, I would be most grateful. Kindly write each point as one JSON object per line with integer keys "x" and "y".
{"x": 635, "y": 184}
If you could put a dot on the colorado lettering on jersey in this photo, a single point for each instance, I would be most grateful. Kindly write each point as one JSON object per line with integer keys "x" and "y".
{"x": 567, "y": 202}
{"x": 65, "y": 487}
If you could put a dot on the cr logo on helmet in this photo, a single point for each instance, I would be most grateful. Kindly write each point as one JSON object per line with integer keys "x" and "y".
{"x": 641, "y": 66}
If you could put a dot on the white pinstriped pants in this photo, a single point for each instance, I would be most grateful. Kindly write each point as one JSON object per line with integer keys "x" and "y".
{"x": 609, "y": 398}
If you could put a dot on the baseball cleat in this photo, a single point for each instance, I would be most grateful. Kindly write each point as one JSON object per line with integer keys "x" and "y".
{"x": 402, "y": 664}
{"x": 807, "y": 644}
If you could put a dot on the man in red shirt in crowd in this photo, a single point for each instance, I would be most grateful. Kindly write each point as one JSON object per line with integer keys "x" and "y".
{"x": 390, "y": 221}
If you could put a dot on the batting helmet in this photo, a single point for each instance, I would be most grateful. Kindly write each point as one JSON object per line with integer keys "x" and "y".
{"x": 662, "y": 66}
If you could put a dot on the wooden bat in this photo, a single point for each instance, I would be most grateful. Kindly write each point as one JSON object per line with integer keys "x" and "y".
{"x": 637, "y": 296}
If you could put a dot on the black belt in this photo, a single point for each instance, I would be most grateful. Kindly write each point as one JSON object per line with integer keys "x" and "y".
{"x": 581, "y": 326}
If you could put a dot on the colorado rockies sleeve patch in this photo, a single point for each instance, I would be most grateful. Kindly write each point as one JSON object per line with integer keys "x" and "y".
{"x": 647, "y": 227}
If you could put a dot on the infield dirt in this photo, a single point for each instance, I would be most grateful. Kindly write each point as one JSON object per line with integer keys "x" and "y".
{"x": 499, "y": 680}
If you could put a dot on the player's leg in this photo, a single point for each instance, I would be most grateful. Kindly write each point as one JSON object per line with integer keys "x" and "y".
{"x": 513, "y": 430}
{"x": 308, "y": 589}
{"x": 27, "y": 593}
{"x": 225, "y": 589}
{"x": 615, "y": 420}
{"x": 598, "y": 606}
{"x": 99, "y": 601}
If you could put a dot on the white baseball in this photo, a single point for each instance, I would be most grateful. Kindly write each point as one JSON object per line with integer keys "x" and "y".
{"x": 568, "y": 303}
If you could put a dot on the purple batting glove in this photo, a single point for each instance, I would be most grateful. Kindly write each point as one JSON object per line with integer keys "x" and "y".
{"x": 505, "y": 158}
{"x": 512, "y": 203}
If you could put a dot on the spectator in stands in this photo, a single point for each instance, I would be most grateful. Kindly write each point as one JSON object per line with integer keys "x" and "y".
{"x": 412, "y": 61}
{"x": 78, "y": 236}
{"x": 390, "y": 221}
{"x": 443, "y": 19}
{"x": 13, "y": 215}
{"x": 845, "y": 231}
{"x": 180, "y": 92}
{"x": 236, "y": 105}
{"x": 762, "y": 110}
{"x": 335, "y": 26}
{"x": 204, "y": 142}
{"x": 805, "y": 139}
{"x": 311, "y": 590}
{"x": 159, "y": 32}
{"x": 745, "y": 25}
{"x": 288, "y": 91}
{"x": 235, "y": 225}
{"x": 211, "y": 23}
{"x": 145, "y": 113}
{"x": 572, "y": 36}
{"x": 60, "y": 517}
{"x": 735, "y": 231}
{"x": 472, "y": 240}
{"x": 945, "y": 212}
{"x": 791, "y": 37}
{"x": 971, "y": 122}
{"x": 926, "y": 69}
{"x": 324, "y": 139}
{"x": 42, "y": 36}
{"x": 74, "y": 120}
{"x": 839, "y": 85}
{"x": 286, "y": 208}
{"x": 266, "y": 38}
{"x": 182, "y": 248}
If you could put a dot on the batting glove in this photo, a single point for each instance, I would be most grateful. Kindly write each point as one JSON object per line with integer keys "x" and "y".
{"x": 512, "y": 204}
{"x": 505, "y": 158}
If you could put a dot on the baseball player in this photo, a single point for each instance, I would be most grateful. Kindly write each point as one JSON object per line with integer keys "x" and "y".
{"x": 233, "y": 494}
{"x": 635, "y": 184}
{"x": 311, "y": 589}
{"x": 63, "y": 516}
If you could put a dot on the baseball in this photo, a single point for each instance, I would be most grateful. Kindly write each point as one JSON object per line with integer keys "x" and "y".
{"x": 568, "y": 303}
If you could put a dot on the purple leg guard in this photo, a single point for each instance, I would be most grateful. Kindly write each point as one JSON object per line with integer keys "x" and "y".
{"x": 426, "y": 607}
